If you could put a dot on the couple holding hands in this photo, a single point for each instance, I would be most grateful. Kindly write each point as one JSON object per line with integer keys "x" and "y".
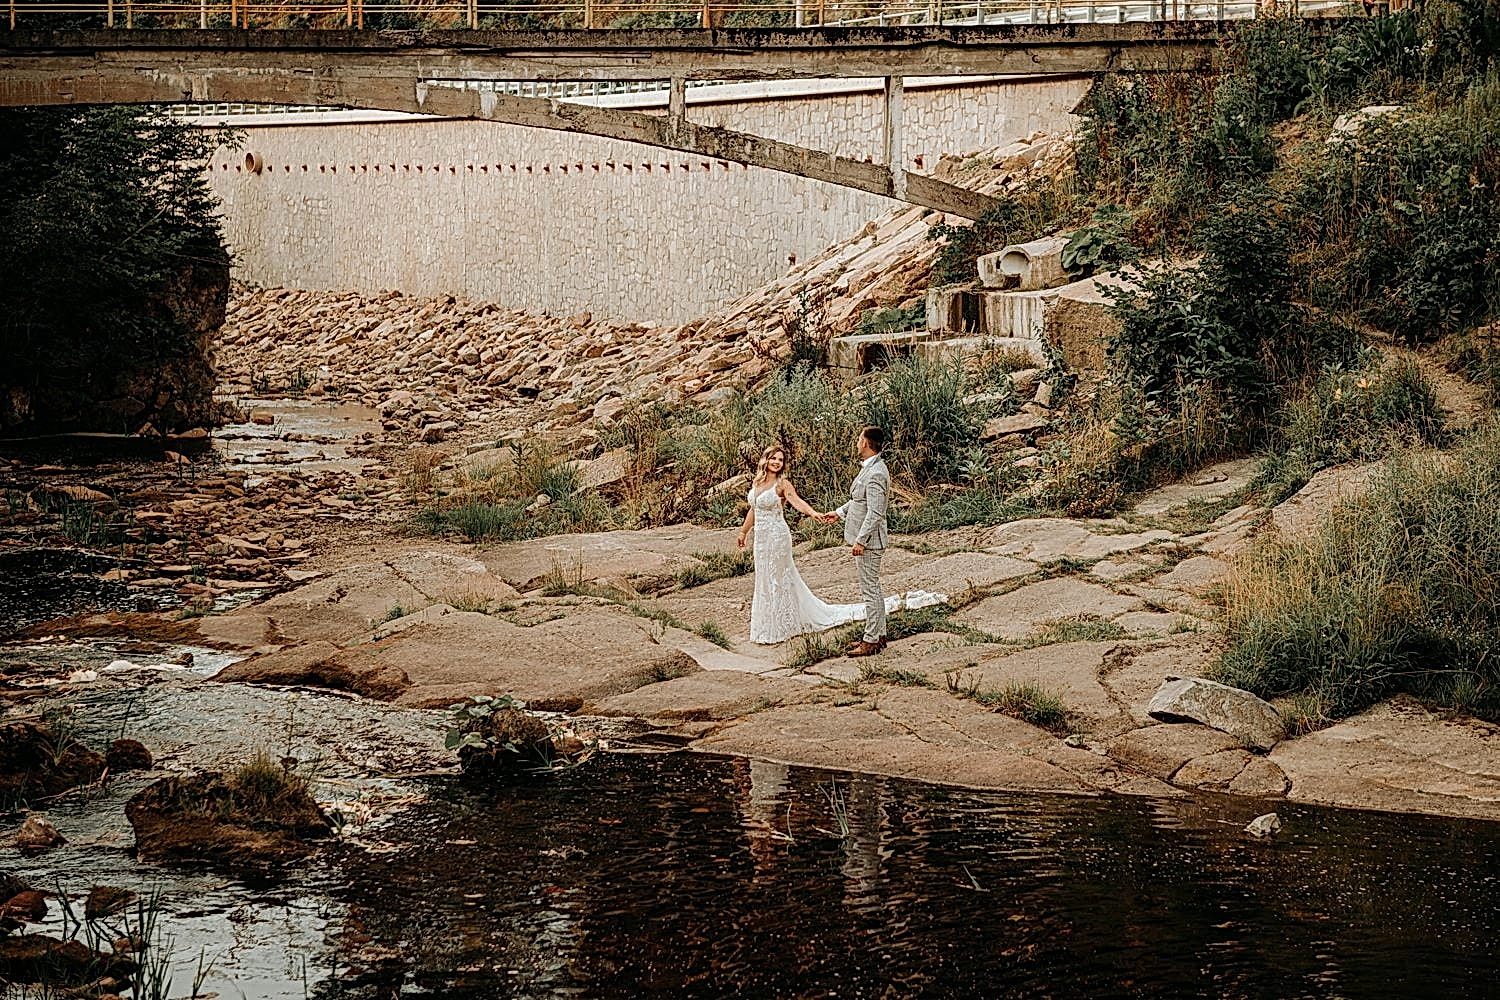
{"x": 783, "y": 605}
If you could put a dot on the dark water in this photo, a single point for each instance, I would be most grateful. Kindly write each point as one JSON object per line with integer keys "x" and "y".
{"x": 40, "y": 584}
{"x": 673, "y": 876}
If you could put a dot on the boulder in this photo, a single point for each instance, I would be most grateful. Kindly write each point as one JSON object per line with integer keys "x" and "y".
{"x": 1253, "y": 722}
{"x": 37, "y": 958}
{"x": 128, "y": 755}
{"x": 239, "y": 817}
{"x": 34, "y": 763}
{"x": 1264, "y": 826}
{"x": 1020, "y": 423}
{"x": 37, "y": 834}
{"x": 320, "y": 664}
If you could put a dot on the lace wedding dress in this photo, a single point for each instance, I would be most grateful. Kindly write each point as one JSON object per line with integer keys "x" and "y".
{"x": 783, "y": 606}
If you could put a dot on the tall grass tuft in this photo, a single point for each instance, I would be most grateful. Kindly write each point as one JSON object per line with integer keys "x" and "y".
{"x": 1398, "y": 592}
{"x": 1346, "y": 415}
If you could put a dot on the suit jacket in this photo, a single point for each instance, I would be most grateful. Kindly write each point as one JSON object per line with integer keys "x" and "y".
{"x": 864, "y": 514}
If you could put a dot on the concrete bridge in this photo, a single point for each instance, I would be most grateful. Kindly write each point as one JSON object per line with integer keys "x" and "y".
{"x": 433, "y": 72}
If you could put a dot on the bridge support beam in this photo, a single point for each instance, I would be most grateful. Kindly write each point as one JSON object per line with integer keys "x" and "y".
{"x": 685, "y": 137}
{"x": 677, "y": 102}
{"x": 892, "y": 142}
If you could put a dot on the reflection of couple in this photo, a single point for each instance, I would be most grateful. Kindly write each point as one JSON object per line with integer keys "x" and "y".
{"x": 783, "y": 605}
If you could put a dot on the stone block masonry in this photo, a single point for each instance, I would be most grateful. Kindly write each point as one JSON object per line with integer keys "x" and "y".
{"x": 563, "y": 223}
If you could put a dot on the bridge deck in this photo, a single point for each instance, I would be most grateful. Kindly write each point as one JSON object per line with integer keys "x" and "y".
{"x": 640, "y": 54}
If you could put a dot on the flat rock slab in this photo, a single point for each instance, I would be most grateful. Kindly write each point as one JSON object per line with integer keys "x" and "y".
{"x": 953, "y": 574}
{"x": 711, "y": 656}
{"x": 1135, "y": 670}
{"x": 1194, "y": 575}
{"x": 864, "y": 740}
{"x": 450, "y": 577}
{"x": 1400, "y": 758}
{"x": 1068, "y": 669}
{"x": 705, "y": 697}
{"x": 653, "y": 553}
{"x": 1160, "y": 751}
{"x": 1236, "y": 772}
{"x": 1213, "y": 483}
{"x": 1019, "y": 613}
{"x": 341, "y": 606}
{"x": 1302, "y": 514}
{"x": 1253, "y": 722}
{"x": 346, "y": 602}
{"x": 1045, "y": 539}
{"x": 587, "y": 653}
{"x": 1154, "y": 624}
{"x": 930, "y": 736}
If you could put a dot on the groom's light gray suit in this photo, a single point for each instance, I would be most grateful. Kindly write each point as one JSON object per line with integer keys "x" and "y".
{"x": 864, "y": 523}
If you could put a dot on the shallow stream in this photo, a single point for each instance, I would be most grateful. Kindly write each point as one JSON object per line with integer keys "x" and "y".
{"x": 676, "y": 875}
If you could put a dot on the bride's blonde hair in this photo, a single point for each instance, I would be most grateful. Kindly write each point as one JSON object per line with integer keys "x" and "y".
{"x": 765, "y": 460}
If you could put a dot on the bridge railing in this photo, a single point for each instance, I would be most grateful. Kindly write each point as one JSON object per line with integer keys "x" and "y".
{"x": 606, "y": 14}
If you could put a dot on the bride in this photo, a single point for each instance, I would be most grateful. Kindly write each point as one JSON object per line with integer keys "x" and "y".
{"x": 783, "y": 606}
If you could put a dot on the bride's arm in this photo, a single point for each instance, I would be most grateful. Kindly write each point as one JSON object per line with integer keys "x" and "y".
{"x": 789, "y": 493}
{"x": 739, "y": 541}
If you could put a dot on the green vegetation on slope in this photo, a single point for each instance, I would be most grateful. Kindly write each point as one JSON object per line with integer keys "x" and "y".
{"x": 1398, "y": 592}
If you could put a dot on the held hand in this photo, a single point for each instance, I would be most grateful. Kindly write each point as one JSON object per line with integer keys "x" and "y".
{"x": 858, "y": 550}
{"x": 739, "y": 541}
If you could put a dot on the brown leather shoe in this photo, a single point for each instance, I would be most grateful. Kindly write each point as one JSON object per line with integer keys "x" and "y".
{"x": 881, "y": 642}
{"x": 864, "y": 649}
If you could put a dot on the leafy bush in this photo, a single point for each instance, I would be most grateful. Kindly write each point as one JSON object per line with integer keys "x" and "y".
{"x": 876, "y": 321}
{"x": 1022, "y": 215}
{"x": 1102, "y": 245}
{"x": 1400, "y": 222}
{"x": 1216, "y": 322}
{"x": 1399, "y": 592}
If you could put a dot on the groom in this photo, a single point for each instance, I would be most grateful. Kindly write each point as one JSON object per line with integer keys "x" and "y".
{"x": 865, "y": 531}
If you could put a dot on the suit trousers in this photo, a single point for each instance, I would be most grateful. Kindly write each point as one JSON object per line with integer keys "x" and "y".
{"x": 868, "y": 566}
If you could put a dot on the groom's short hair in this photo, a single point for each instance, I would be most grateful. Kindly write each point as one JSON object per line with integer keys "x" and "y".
{"x": 876, "y": 438}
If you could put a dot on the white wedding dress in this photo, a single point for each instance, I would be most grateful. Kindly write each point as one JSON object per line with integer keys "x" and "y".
{"x": 783, "y": 606}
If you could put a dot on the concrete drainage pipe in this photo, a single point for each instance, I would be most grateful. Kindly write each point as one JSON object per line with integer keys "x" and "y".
{"x": 1029, "y": 266}
{"x": 253, "y": 163}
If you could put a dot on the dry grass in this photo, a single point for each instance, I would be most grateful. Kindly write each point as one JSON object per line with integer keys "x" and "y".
{"x": 1398, "y": 592}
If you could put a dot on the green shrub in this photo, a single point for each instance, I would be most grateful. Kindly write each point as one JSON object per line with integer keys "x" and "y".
{"x": 1101, "y": 245}
{"x": 1349, "y": 415}
{"x": 711, "y": 566}
{"x": 878, "y": 321}
{"x": 1399, "y": 591}
{"x": 1220, "y": 321}
{"x": 1399, "y": 224}
{"x": 929, "y": 427}
{"x": 1033, "y": 211}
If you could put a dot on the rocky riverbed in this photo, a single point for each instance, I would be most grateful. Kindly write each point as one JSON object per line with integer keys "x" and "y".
{"x": 1099, "y": 613}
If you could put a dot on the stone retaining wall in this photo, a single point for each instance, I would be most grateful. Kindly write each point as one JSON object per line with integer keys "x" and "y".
{"x": 563, "y": 223}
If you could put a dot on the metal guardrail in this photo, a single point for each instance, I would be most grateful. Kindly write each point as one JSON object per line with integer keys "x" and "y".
{"x": 592, "y": 14}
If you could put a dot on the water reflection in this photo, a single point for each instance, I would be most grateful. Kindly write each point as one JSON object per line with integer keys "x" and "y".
{"x": 691, "y": 876}
{"x": 687, "y": 876}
